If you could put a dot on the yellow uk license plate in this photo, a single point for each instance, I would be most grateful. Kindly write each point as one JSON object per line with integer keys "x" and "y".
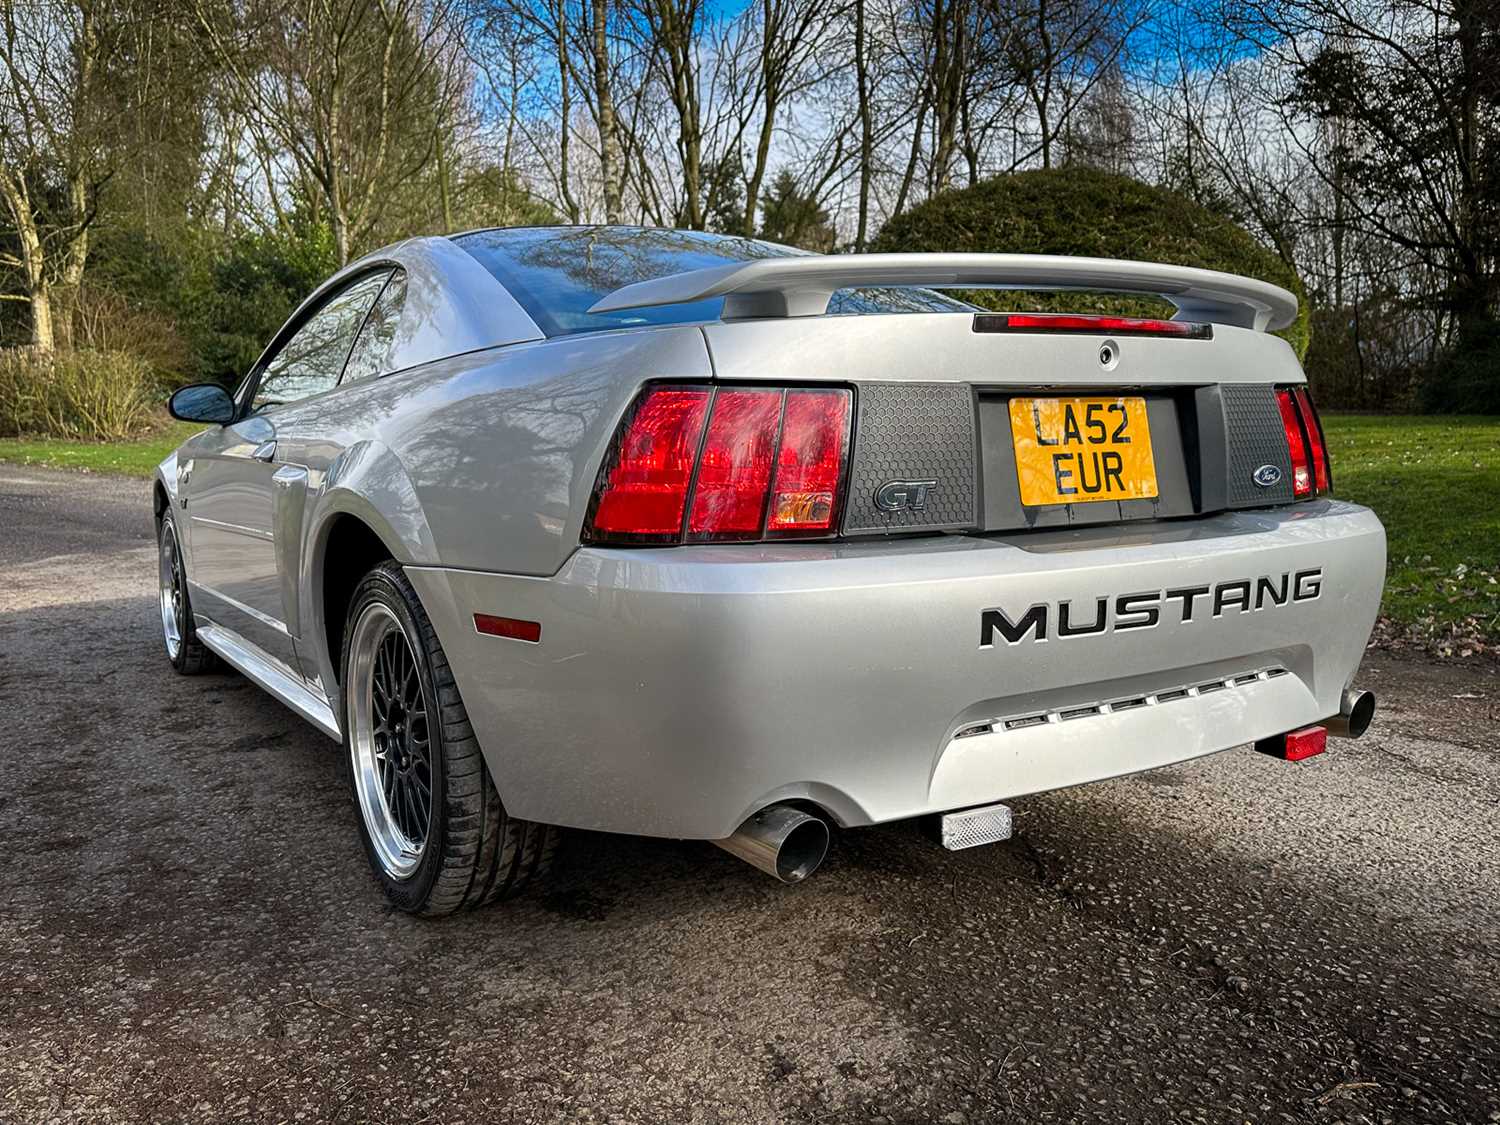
{"x": 1076, "y": 450}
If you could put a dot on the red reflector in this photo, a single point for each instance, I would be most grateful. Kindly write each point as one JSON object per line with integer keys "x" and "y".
{"x": 645, "y": 490}
{"x": 1076, "y": 322}
{"x": 1302, "y": 480}
{"x": 735, "y": 469}
{"x": 1314, "y": 427}
{"x": 814, "y": 444}
{"x": 1295, "y": 745}
{"x": 512, "y": 627}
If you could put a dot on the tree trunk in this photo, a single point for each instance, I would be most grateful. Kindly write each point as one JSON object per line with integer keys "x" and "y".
{"x": 1041, "y": 89}
{"x": 911, "y": 158}
{"x": 610, "y": 169}
{"x": 948, "y": 64}
{"x": 340, "y": 222}
{"x": 866, "y": 126}
{"x": 675, "y": 38}
{"x": 445, "y": 193}
{"x": 33, "y": 261}
{"x": 64, "y": 308}
{"x": 762, "y": 159}
{"x": 770, "y": 69}
{"x": 566, "y": 110}
{"x": 42, "y": 337}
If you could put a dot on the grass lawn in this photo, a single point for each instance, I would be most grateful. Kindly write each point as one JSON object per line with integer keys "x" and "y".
{"x": 127, "y": 458}
{"x": 1434, "y": 481}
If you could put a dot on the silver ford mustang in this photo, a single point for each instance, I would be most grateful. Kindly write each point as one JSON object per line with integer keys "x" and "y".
{"x": 669, "y": 533}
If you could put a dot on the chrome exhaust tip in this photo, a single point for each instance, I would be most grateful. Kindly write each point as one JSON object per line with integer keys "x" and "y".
{"x": 1356, "y": 709}
{"x": 782, "y": 841}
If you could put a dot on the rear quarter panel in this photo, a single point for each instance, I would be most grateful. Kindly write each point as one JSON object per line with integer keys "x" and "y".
{"x": 484, "y": 461}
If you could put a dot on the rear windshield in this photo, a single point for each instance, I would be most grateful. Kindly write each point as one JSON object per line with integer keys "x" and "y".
{"x": 557, "y": 273}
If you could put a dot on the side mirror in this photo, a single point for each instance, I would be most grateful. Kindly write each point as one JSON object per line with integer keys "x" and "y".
{"x": 202, "y": 402}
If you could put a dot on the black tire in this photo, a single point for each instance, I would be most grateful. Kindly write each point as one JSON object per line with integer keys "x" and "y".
{"x": 474, "y": 852}
{"x": 192, "y": 657}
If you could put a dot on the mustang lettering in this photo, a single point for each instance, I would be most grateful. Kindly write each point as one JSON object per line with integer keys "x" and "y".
{"x": 1144, "y": 610}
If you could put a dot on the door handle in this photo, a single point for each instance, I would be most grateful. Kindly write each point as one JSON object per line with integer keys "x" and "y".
{"x": 265, "y": 450}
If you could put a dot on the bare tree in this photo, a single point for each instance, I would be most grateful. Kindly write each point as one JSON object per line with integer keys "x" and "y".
{"x": 1059, "y": 49}
{"x": 865, "y": 95}
{"x": 790, "y": 32}
{"x": 675, "y": 27}
{"x": 54, "y": 155}
{"x": 347, "y": 93}
{"x": 1411, "y": 88}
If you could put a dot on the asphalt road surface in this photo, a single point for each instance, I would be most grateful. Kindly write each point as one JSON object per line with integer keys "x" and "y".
{"x": 188, "y": 930}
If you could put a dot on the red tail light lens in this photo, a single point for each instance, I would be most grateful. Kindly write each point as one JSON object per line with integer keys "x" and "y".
{"x": 735, "y": 469}
{"x": 814, "y": 446}
{"x": 1318, "y": 447}
{"x": 643, "y": 494}
{"x": 1302, "y": 477}
{"x": 737, "y": 462}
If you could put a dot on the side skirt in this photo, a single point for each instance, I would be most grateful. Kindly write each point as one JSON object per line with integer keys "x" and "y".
{"x": 259, "y": 670}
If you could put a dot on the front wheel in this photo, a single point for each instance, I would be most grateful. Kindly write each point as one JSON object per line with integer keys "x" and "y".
{"x": 433, "y": 827}
{"x": 188, "y": 654}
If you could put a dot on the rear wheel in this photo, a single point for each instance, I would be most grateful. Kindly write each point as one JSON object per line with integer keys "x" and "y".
{"x": 435, "y": 832}
{"x": 188, "y": 654}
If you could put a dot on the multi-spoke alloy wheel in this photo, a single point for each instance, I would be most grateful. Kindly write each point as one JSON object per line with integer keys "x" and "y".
{"x": 433, "y": 826}
{"x": 169, "y": 575}
{"x": 187, "y": 653}
{"x": 392, "y": 741}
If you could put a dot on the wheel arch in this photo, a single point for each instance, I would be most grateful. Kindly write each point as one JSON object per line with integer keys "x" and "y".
{"x": 367, "y": 511}
{"x": 164, "y": 485}
{"x": 346, "y": 547}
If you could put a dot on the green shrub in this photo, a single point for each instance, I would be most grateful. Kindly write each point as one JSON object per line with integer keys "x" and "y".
{"x": 95, "y": 395}
{"x": 252, "y": 287}
{"x": 1085, "y": 212}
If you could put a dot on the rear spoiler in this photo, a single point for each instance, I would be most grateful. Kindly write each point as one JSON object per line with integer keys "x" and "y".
{"x": 802, "y": 285}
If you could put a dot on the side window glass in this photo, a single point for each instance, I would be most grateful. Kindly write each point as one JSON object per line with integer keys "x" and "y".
{"x": 312, "y": 360}
{"x": 373, "y": 345}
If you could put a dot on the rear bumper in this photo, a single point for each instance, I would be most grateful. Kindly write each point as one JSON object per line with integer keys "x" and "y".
{"x": 675, "y": 691}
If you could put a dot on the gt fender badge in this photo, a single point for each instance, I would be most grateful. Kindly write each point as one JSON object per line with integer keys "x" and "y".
{"x": 1266, "y": 476}
{"x": 903, "y": 495}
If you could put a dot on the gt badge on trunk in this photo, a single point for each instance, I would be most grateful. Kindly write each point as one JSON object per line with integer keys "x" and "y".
{"x": 1075, "y": 450}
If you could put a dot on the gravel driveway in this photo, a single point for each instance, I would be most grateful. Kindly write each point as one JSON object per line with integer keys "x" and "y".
{"x": 188, "y": 930}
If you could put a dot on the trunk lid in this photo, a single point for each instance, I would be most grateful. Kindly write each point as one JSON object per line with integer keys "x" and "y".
{"x": 933, "y": 445}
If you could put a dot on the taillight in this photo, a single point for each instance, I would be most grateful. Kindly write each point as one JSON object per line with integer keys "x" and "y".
{"x": 734, "y": 471}
{"x": 1304, "y": 441}
{"x": 1302, "y": 480}
{"x": 814, "y": 441}
{"x": 728, "y": 463}
{"x": 1098, "y": 325}
{"x": 652, "y": 467}
{"x": 1317, "y": 446}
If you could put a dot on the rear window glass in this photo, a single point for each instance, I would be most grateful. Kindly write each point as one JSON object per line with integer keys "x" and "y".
{"x": 558, "y": 273}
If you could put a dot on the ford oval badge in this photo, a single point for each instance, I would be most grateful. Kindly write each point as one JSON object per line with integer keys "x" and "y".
{"x": 1267, "y": 476}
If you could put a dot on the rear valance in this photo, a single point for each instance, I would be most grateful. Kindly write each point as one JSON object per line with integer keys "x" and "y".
{"x": 802, "y": 286}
